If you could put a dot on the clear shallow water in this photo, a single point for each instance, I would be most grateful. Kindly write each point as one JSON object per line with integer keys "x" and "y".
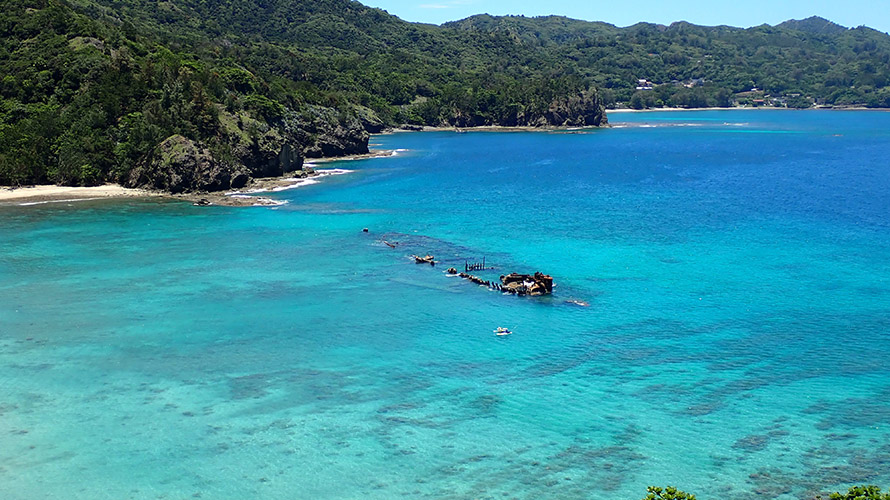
{"x": 737, "y": 266}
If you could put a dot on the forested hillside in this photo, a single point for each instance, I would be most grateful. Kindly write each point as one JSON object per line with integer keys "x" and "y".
{"x": 112, "y": 90}
{"x": 94, "y": 91}
{"x": 797, "y": 63}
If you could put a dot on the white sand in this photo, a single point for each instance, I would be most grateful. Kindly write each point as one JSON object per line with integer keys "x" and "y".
{"x": 66, "y": 193}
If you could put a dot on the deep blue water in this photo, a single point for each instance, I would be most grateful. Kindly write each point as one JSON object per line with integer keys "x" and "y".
{"x": 737, "y": 342}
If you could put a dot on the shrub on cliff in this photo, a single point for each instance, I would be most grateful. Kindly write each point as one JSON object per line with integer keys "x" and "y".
{"x": 870, "y": 492}
{"x": 668, "y": 493}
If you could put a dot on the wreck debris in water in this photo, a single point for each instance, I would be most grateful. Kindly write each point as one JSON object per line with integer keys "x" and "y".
{"x": 427, "y": 259}
{"x": 527, "y": 284}
{"x": 514, "y": 283}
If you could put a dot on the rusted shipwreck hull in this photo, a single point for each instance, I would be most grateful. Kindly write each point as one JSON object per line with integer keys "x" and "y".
{"x": 527, "y": 284}
{"x": 427, "y": 259}
{"x": 515, "y": 283}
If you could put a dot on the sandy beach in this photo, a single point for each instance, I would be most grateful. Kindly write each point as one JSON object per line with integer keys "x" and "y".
{"x": 50, "y": 193}
{"x": 55, "y": 194}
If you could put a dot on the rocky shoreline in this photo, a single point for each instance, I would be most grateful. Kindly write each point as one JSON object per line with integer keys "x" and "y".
{"x": 494, "y": 128}
{"x": 187, "y": 170}
{"x": 249, "y": 195}
{"x": 247, "y": 155}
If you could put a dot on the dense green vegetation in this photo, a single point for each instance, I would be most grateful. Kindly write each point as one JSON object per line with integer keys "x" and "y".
{"x": 854, "y": 493}
{"x": 797, "y": 63}
{"x": 861, "y": 493}
{"x": 669, "y": 493}
{"x": 90, "y": 88}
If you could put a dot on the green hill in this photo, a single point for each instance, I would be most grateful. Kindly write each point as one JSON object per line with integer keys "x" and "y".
{"x": 798, "y": 63}
{"x": 204, "y": 94}
{"x": 96, "y": 90}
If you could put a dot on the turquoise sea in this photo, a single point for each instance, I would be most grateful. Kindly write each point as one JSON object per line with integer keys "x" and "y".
{"x": 736, "y": 343}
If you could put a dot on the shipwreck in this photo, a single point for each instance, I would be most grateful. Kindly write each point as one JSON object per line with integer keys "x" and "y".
{"x": 527, "y": 284}
{"x": 514, "y": 283}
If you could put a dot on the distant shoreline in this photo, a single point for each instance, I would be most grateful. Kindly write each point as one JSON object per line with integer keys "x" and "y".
{"x": 739, "y": 108}
{"x": 495, "y": 128}
{"x": 558, "y": 128}
{"x": 50, "y": 193}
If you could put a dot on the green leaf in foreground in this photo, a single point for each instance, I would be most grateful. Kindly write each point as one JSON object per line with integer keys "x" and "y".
{"x": 869, "y": 492}
{"x": 668, "y": 493}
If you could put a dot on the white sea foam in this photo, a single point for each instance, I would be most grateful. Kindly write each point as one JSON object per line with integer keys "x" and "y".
{"x": 269, "y": 202}
{"x": 245, "y": 193}
{"x": 298, "y": 183}
{"x": 295, "y": 182}
{"x": 659, "y": 125}
{"x": 333, "y": 171}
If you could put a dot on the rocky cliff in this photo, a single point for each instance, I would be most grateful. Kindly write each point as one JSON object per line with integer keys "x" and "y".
{"x": 247, "y": 148}
{"x": 180, "y": 165}
{"x": 580, "y": 109}
{"x": 584, "y": 109}
{"x": 328, "y": 132}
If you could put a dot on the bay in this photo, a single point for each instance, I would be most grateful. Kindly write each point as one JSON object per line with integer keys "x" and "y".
{"x": 737, "y": 270}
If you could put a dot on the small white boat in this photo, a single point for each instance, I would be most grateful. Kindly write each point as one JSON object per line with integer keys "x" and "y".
{"x": 501, "y": 331}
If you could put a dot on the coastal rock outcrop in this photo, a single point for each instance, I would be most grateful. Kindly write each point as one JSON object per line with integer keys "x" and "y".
{"x": 328, "y": 132}
{"x": 270, "y": 155}
{"x": 584, "y": 109}
{"x": 369, "y": 120}
{"x": 180, "y": 165}
{"x": 263, "y": 150}
{"x": 581, "y": 109}
{"x": 248, "y": 148}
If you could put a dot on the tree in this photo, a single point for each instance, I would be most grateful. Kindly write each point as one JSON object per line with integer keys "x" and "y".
{"x": 670, "y": 493}
{"x": 870, "y": 492}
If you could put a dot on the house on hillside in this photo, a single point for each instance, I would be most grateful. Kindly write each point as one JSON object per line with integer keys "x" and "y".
{"x": 644, "y": 84}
